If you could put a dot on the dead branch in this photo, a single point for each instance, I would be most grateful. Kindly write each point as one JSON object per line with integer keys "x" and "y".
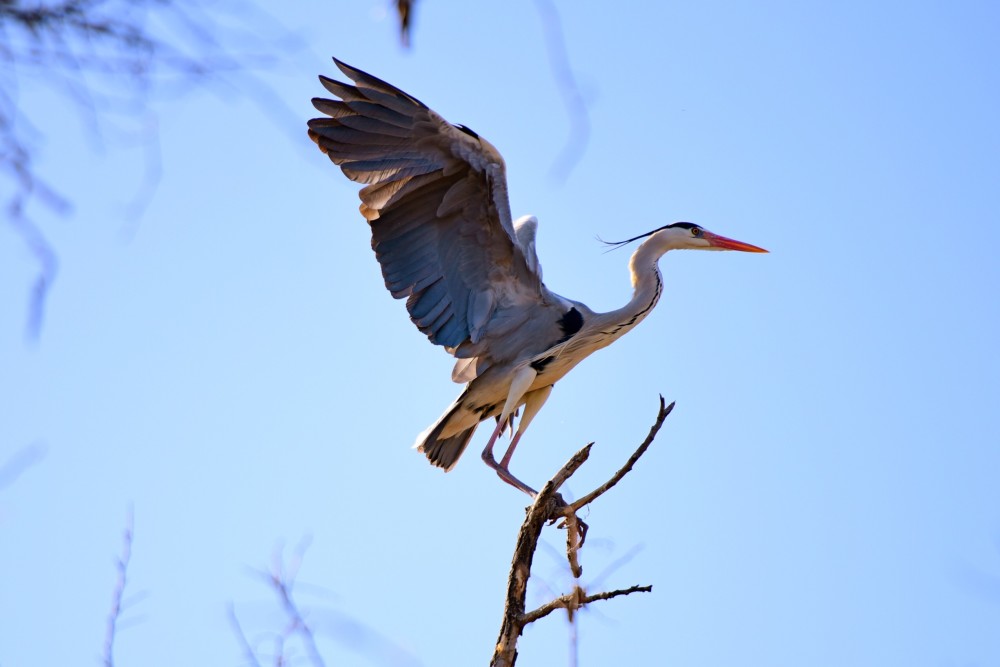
{"x": 549, "y": 507}
{"x": 578, "y": 598}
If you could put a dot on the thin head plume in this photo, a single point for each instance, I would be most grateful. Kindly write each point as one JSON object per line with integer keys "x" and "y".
{"x": 614, "y": 245}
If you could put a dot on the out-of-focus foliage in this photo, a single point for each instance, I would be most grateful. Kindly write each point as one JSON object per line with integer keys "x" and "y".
{"x": 108, "y": 59}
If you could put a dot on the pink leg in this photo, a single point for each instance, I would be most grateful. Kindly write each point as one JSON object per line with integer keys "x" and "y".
{"x": 488, "y": 450}
{"x": 505, "y": 461}
{"x": 519, "y": 384}
{"x": 505, "y": 473}
{"x": 501, "y": 469}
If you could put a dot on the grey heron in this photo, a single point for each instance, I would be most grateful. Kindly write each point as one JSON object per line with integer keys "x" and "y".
{"x": 435, "y": 196}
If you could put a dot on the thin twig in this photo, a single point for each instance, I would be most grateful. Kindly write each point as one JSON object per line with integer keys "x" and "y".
{"x": 575, "y": 600}
{"x": 248, "y": 651}
{"x": 48, "y": 267}
{"x": 283, "y": 586}
{"x": 119, "y": 592}
{"x": 654, "y": 429}
{"x": 573, "y": 544}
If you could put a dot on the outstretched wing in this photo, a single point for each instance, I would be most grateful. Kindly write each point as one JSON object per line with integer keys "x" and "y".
{"x": 436, "y": 197}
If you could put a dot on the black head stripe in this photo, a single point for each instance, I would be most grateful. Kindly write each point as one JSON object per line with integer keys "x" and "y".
{"x": 619, "y": 244}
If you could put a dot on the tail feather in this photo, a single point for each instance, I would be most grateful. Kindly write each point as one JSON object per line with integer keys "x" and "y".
{"x": 444, "y": 452}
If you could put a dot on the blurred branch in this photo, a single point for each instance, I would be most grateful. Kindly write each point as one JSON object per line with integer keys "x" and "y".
{"x": 282, "y": 579}
{"x": 301, "y": 626}
{"x": 405, "y": 10}
{"x": 548, "y": 508}
{"x": 559, "y": 62}
{"x": 119, "y": 592}
{"x": 548, "y": 590}
{"x": 20, "y": 461}
{"x": 248, "y": 650}
{"x": 106, "y": 58}
{"x": 573, "y": 100}
{"x": 46, "y": 259}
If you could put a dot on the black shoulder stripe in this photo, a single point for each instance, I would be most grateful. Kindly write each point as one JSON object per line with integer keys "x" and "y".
{"x": 540, "y": 364}
{"x": 570, "y": 323}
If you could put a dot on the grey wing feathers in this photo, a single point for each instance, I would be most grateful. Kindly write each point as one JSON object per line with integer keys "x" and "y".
{"x": 436, "y": 198}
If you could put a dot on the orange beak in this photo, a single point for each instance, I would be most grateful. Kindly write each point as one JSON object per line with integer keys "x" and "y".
{"x": 722, "y": 242}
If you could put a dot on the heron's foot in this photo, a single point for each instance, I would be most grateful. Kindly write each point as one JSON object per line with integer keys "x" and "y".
{"x": 562, "y": 512}
{"x": 503, "y": 472}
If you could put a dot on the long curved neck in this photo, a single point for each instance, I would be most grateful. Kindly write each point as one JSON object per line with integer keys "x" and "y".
{"x": 647, "y": 284}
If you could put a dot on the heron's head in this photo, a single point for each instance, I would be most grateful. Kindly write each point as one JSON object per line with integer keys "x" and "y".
{"x": 687, "y": 236}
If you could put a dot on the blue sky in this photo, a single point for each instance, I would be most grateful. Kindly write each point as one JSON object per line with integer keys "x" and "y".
{"x": 232, "y": 369}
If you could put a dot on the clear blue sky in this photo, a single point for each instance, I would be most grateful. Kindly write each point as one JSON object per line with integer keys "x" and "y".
{"x": 827, "y": 492}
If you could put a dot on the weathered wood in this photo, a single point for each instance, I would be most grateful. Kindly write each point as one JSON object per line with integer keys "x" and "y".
{"x": 548, "y": 508}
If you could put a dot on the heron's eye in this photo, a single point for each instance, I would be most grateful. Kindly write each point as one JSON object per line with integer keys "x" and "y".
{"x": 696, "y": 232}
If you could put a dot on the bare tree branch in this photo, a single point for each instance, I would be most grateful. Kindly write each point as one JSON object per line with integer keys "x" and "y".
{"x": 548, "y": 507}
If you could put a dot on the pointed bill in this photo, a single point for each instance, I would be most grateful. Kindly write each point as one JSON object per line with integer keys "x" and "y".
{"x": 724, "y": 243}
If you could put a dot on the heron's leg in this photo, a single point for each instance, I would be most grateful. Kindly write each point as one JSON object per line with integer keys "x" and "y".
{"x": 532, "y": 404}
{"x": 519, "y": 385}
{"x": 505, "y": 475}
{"x": 502, "y": 471}
{"x": 488, "y": 458}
